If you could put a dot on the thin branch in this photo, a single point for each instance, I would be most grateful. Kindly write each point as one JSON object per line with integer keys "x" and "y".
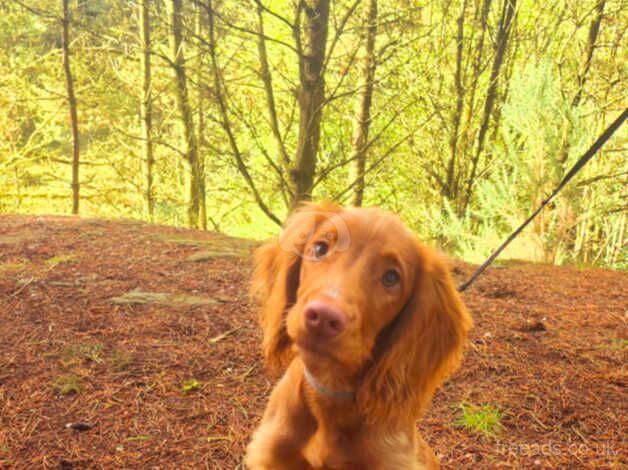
{"x": 275, "y": 14}
{"x": 374, "y": 165}
{"x": 267, "y": 80}
{"x": 246, "y": 30}
{"x": 339, "y": 32}
{"x": 225, "y": 120}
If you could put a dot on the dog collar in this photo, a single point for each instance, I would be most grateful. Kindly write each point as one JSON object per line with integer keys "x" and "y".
{"x": 340, "y": 395}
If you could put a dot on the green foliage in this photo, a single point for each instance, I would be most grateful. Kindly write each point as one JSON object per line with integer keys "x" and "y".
{"x": 618, "y": 344}
{"x": 60, "y": 259}
{"x": 190, "y": 386}
{"x": 480, "y": 419}
{"x": 536, "y": 130}
{"x": 13, "y": 266}
{"x": 139, "y": 297}
{"x": 525, "y": 172}
{"x": 121, "y": 360}
{"x": 74, "y": 353}
{"x": 68, "y": 384}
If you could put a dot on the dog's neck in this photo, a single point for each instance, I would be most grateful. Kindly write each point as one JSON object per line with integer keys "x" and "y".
{"x": 329, "y": 380}
{"x": 336, "y": 395}
{"x": 331, "y": 395}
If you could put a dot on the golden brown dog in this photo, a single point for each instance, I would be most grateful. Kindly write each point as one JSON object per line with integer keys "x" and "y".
{"x": 366, "y": 323}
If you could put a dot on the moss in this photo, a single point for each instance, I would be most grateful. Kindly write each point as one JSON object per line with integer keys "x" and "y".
{"x": 68, "y": 384}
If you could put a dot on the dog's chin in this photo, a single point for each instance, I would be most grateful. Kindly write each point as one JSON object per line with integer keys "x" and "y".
{"x": 326, "y": 355}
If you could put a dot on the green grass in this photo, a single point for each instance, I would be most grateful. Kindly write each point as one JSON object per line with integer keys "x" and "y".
{"x": 59, "y": 259}
{"x": 480, "y": 419}
{"x": 190, "y": 385}
{"x": 138, "y": 297}
{"x": 18, "y": 265}
{"x": 215, "y": 247}
{"x": 74, "y": 353}
{"x": 120, "y": 360}
{"x": 67, "y": 384}
{"x": 618, "y": 344}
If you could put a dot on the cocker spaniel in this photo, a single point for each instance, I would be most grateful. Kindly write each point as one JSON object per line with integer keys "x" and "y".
{"x": 365, "y": 323}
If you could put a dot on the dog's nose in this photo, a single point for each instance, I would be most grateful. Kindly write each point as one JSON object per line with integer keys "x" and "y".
{"x": 323, "y": 319}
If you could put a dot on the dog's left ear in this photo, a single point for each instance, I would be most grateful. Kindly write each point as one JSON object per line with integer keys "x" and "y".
{"x": 419, "y": 349}
{"x": 274, "y": 284}
{"x": 277, "y": 266}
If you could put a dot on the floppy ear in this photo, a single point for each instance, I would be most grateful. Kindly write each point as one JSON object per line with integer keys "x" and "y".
{"x": 277, "y": 265}
{"x": 419, "y": 349}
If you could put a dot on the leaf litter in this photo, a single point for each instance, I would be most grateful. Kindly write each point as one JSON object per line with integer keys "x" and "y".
{"x": 548, "y": 351}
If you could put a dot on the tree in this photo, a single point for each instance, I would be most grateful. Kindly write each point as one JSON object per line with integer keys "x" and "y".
{"x": 503, "y": 32}
{"x": 450, "y": 189}
{"x": 439, "y": 112}
{"x": 69, "y": 81}
{"x": 582, "y": 75}
{"x": 190, "y": 152}
{"x": 146, "y": 105}
{"x": 225, "y": 121}
{"x": 311, "y": 56}
{"x": 267, "y": 80}
{"x": 362, "y": 121}
{"x": 594, "y": 31}
{"x": 200, "y": 129}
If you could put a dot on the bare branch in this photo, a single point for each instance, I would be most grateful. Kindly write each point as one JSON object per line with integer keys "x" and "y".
{"x": 226, "y": 123}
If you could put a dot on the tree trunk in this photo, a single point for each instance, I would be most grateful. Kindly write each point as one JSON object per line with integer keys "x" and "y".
{"x": 475, "y": 79}
{"x": 565, "y": 147}
{"x": 146, "y": 105}
{"x": 196, "y": 186}
{"x": 509, "y": 67}
{"x": 450, "y": 191}
{"x": 200, "y": 132}
{"x": 594, "y": 30}
{"x": 311, "y": 95}
{"x": 268, "y": 88}
{"x": 267, "y": 80}
{"x": 69, "y": 81}
{"x": 505, "y": 23}
{"x": 362, "y": 120}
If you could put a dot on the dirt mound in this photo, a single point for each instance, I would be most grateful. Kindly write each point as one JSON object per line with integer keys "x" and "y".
{"x": 128, "y": 345}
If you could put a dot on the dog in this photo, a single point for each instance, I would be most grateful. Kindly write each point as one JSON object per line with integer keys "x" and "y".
{"x": 365, "y": 323}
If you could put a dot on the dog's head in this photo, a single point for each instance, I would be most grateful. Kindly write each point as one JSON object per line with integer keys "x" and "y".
{"x": 354, "y": 289}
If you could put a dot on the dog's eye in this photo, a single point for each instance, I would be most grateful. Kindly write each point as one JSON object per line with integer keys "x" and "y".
{"x": 320, "y": 249}
{"x": 390, "y": 278}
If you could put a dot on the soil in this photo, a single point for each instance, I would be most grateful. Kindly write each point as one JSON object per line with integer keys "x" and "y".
{"x": 135, "y": 346}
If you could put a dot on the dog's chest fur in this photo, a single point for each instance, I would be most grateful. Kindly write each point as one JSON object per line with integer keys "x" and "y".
{"x": 343, "y": 441}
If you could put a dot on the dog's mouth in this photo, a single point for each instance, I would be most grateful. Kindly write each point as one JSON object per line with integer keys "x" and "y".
{"x": 308, "y": 343}
{"x": 327, "y": 354}
{"x": 314, "y": 345}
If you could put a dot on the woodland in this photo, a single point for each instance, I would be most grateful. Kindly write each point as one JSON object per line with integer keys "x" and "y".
{"x": 146, "y": 146}
{"x": 461, "y": 116}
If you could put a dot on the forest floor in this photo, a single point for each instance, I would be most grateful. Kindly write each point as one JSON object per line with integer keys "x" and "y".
{"x": 125, "y": 345}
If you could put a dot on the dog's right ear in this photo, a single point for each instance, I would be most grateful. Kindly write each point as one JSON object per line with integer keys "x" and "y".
{"x": 277, "y": 265}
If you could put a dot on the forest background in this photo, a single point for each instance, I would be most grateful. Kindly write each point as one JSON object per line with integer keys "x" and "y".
{"x": 461, "y": 116}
